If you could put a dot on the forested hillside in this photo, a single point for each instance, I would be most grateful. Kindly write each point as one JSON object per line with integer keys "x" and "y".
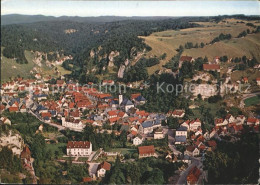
{"x": 72, "y": 37}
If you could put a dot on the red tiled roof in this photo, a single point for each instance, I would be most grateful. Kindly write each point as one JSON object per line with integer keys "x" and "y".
{"x": 13, "y": 109}
{"x": 105, "y": 165}
{"x": 211, "y": 66}
{"x": 178, "y": 112}
{"x": 78, "y": 144}
{"x": 112, "y": 113}
{"x": 134, "y": 96}
{"x": 212, "y": 143}
{"x": 185, "y": 58}
{"x": 252, "y": 120}
{"x": 46, "y": 114}
{"x": 112, "y": 120}
{"x": 86, "y": 179}
{"x": 146, "y": 150}
{"x": 258, "y": 79}
{"x": 193, "y": 175}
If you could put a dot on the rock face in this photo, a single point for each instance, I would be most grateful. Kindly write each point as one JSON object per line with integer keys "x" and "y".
{"x": 12, "y": 140}
{"x": 111, "y": 57}
{"x": 121, "y": 70}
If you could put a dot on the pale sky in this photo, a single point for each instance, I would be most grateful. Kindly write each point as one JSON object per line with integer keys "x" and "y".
{"x": 129, "y": 8}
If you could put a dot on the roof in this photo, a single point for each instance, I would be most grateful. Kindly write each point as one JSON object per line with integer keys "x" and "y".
{"x": 190, "y": 148}
{"x": 112, "y": 113}
{"x": 147, "y": 124}
{"x": 146, "y": 150}
{"x": 185, "y": 58}
{"x": 86, "y": 179}
{"x": 78, "y": 144}
{"x": 193, "y": 175}
{"x": 252, "y": 120}
{"x": 105, "y": 165}
{"x": 180, "y": 139}
{"x": 258, "y": 79}
{"x": 212, "y": 143}
{"x": 26, "y": 153}
{"x": 140, "y": 98}
{"x": 178, "y": 112}
{"x": 211, "y": 66}
{"x": 134, "y": 96}
{"x": 127, "y": 102}
{"x": 181, "y": 129}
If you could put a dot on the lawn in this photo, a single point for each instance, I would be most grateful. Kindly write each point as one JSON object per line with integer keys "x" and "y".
{"x": 57, "y": 147}
{"x": 252, "y": 101}
{"x": 123, "y": 150}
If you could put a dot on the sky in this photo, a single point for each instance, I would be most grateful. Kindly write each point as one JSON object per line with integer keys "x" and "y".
{"x": 129, "y": 8}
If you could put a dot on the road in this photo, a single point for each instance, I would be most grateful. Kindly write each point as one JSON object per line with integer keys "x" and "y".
{"x": 60, "y": 127}
{"x": 183, "y": 176}
{"x": 171, "y": 140}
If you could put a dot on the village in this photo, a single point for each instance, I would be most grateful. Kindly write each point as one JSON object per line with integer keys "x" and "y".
{"x": 75, "y": 106}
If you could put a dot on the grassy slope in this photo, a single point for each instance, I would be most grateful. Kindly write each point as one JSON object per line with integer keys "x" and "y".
{"x": 169, "y": 41}
{"x": 252, "y": 101}
{"x": 9, "y": 67}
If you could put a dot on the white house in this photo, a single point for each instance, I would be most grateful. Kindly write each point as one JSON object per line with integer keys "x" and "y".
{"x": 79, "y": 148}
{"x": 194, "y": 124}
{"x": 137, "y": 140}
{"x": 158, "y": 134}
{"x": 221, "y": 122}
{"x": 102, "y": 168}
{"x": 192, "y": 151}
{"x": 181, "y": 131}
{"x": 71, "y": 123}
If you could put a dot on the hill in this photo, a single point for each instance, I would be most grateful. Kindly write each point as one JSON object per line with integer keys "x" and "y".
{"x": 23, "y": 19}
{"x": 170, "y": 40}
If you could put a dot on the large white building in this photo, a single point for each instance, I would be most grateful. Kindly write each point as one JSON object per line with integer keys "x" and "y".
{"x": 79, "y": 148}
{"x": 71, "y": 123}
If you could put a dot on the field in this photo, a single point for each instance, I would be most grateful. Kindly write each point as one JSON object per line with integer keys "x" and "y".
{"x": 9, "y": 67}
{"x": 168, "y": 41}
{"x": 252, "y": 101}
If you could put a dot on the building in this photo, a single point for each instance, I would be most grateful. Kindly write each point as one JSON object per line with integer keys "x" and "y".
{"x": 126, "y": 104}
{"x": 79, "y": 148}
{"x": 147, "y": 127}
{"x": 193, "y": 176}
{"x": 192, "y": 151}
{"x": 258, "y": 81}
{"x": 185, "y": 59}
{"x": 102, "y": 168}
{"x": 252, "y": 121}
{"x": 181, "y": 131}
{"x": 74, "y": 124}
{"x": 221, "y": 122}
{"x": 137, "y": 140}
{"x": 158, "y": 134}
{"x": 194, "y": 124}
{"x": 211, "y": 67}
{"x": 177, "y": 113}
{"x": 146, "y": 151}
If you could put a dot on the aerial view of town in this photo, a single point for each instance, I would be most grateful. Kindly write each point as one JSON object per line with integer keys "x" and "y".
{"x": 122, "y": 92}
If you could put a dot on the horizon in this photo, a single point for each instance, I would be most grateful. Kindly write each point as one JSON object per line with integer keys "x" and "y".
{"x": 129, "y": 8}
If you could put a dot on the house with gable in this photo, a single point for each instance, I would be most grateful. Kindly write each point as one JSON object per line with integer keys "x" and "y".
{"x": 138, "y": 140}
{"x": 102, "y": 168}
{"x": 192, "y": 151}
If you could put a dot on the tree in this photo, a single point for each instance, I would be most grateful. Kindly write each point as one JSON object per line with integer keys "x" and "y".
{"x": 172, "y": 122}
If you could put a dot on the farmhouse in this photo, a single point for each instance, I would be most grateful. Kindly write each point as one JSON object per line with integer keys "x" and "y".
{"x": 79, "y": 148}
{"x": 258, "y": 81}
